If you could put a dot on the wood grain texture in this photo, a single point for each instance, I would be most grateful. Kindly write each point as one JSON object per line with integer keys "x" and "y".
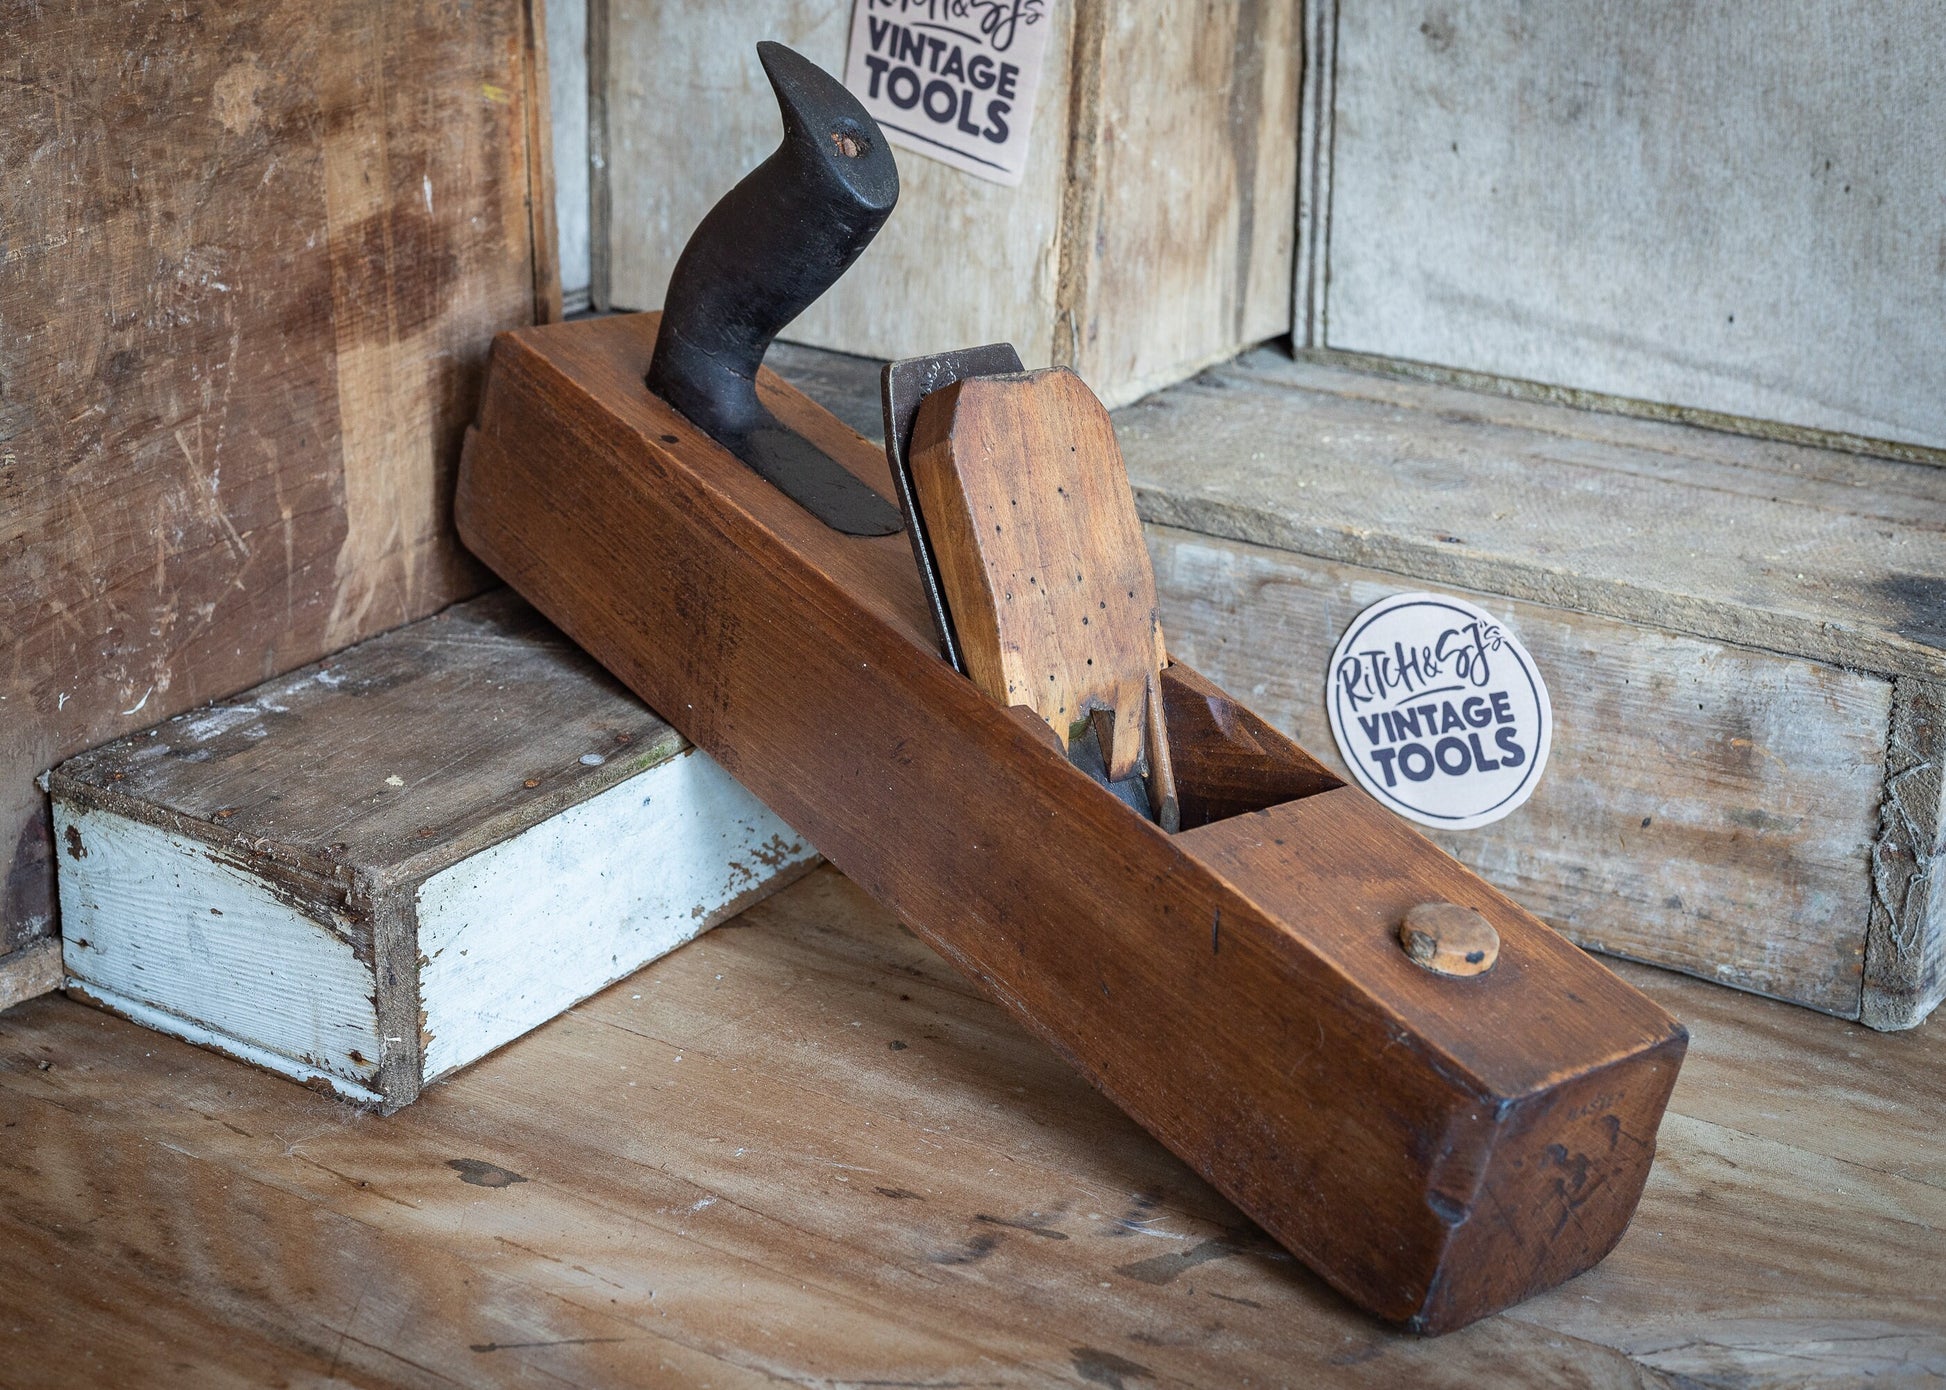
{"x": 1150, "y": 235}
{"x": 1905, "y": 948}
{"x": 254, "y": 256}
{"x": 1727, "y": 209}
{"x": 1178, "y": 226}
{"x": 1021, "y": 485}
{"x": 33, "y": 969}
{"x": 567, "y": 92}
{"x": 1771, "y": 546}
{"x": 1250, "y": 1005}
{"x": 861, "y": 1171}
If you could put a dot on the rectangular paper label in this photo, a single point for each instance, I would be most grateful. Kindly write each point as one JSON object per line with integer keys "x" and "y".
{"x": 951, "y": 79}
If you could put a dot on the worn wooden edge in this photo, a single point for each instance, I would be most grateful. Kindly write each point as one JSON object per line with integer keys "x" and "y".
{"x": 1905, "y": 941}
{"x": 396, "y": 961}
{"x": 299, "y": 869}
{"x": 545, "y": 233}
{"x": 1535, "y": 581}
{"x": 1317, "y": 100}
{"x": 1081, "y": 195}
{"x": 225, "y": 1045}
{"x": 601, "y": 261}
{"x": 1568, "y": 1112}
{"x": 29, "y": 972}
{"x": 477, "y": 834}
{"x": 1602, "y": 402}
{"x": 75, "y": 781}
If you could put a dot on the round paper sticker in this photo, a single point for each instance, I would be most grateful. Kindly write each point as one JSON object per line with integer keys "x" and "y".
{"x": 1439, "y": 711}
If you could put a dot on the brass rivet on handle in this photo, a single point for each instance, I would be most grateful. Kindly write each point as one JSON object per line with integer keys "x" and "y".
{"x": 1449, "y": 939}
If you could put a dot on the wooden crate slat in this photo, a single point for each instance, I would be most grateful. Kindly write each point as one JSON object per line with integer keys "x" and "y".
{"x": 1727, "y": 541}
{"x": 1704, "y": 806}
{"x": 1722, "y": 215}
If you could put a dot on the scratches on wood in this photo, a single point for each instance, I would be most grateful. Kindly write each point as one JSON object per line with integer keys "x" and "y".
{"x": 249, "y": 279}
{"x": 1905, "y": 949}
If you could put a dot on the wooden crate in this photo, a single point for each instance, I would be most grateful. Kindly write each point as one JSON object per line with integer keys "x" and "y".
{"x": 1152, "y": 233}
{"x": 1713, "y": 217}
{"x": 254, "y": 257}
{"x": 1745, "y": 642}
{"x": 377, "y": 869}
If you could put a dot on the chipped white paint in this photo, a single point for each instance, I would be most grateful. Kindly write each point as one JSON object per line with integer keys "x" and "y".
{"x": 165, "y": 1022}
{"x": 517, "y": 933}
{"x": 178, "y": 936}
{"x": 168, "y": 929}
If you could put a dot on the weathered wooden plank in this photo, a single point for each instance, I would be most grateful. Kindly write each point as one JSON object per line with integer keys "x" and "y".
{"x": 1771, "y": 546}
{"x": 1906, "y": 949}
{"x": 373, "y": 871}
{"x": 33, "y": 969}
{"x": 1574, "y": 196}
{"x": 567, "y": 91}
{"x": 254, "y": 257}
{"x": 858, "y": 1170}
{"x": 1151, "y": 233}
{"x": 1178, "y": 226}
{"x": 1830, "y": 1088}
{"x": 1704, "y": 807}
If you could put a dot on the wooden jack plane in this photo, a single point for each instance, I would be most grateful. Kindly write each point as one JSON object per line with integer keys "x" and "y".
{"x": 1422, "y": 1091}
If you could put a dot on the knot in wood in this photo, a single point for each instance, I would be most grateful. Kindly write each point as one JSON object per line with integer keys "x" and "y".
{"x": 1449, "y": 939}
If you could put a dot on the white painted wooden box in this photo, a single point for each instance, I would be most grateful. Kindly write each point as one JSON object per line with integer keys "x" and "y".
{"x": 374, "y": 870}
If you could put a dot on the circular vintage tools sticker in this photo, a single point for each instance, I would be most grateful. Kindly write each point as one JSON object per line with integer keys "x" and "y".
{"x": 1439, "y": 711}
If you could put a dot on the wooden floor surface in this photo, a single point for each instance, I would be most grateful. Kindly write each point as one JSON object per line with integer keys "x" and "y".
{"x": 801, "y": 1150}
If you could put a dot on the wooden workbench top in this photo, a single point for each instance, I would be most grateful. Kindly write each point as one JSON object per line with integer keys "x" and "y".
{"x": 803, "y": 1150}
